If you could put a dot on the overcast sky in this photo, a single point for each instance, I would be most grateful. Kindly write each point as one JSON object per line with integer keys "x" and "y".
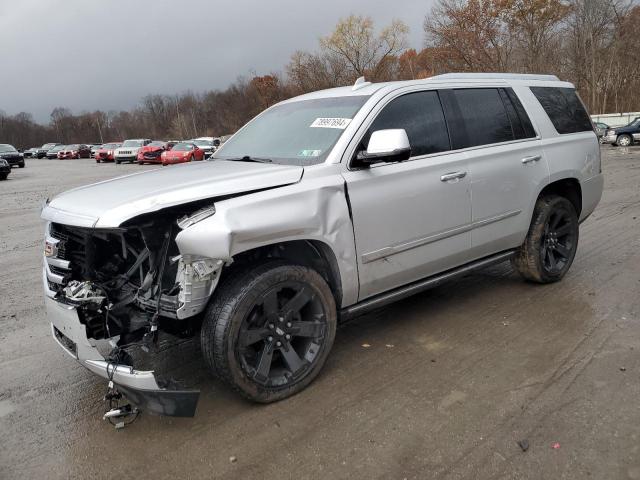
{"x": 108, "y": 54}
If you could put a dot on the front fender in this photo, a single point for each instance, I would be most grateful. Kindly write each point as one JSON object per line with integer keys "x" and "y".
{"x": 313, "y": 209}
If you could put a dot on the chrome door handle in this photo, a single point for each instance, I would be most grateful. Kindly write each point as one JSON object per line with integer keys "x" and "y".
{"x": 447, "y": 177}
{"x": 531, "y": 159}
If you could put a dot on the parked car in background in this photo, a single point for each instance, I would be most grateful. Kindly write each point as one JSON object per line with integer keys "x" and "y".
{"x": 601, "y": 129}
{"x": 94, "y": 148}
{"x": 73, "y": 151}
{"x": 128, "y": 152}
{"x": 105, "y": 152}
{"x": 181, "y": 153}
{"x": 151, "y": 153}
{"x": 42, "y": 151}
{"x": 53, "y": 152}
{"x": 624, "y": 136}
{"x": 5, "y": 169}
{"x": 30, "y": 152}
{"x": 11, "y": 155}
{"x": 207, "y": 146}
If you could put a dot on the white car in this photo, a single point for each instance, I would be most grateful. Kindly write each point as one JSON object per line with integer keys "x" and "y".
{"x": 128, "y": 152}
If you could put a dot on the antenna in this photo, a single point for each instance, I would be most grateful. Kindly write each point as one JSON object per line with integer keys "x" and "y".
{"x": 360, "y": 83}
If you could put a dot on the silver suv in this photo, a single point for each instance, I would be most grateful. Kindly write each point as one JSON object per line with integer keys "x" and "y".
{"x": 321, "y": 208}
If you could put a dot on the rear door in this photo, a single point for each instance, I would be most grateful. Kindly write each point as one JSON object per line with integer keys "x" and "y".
{"x": 506, "y": 162}
{"x": 411, "y": 218}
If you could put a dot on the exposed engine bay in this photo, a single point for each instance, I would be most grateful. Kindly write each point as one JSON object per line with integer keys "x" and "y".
{"x": 128, "y": 282}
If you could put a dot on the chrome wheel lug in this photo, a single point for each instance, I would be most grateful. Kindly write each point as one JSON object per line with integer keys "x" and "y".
{"x": 270, "y": 339}
{"x": 287, "y": 336}
{"x": 289, "y": 324}
{"x": 279, "y": 344}
{"x": 271, "y": 326}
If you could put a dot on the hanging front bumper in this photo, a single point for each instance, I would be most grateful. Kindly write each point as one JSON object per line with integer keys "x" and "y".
{"x": 141, "y": 387}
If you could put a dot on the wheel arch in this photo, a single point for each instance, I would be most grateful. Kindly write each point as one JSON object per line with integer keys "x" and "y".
{"x": 310, "y": 253}
{"x": 568, "y": 188}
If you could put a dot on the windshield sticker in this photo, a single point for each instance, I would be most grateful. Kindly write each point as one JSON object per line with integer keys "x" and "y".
{"x": 309, "y": 153}
{"x": 340, "y": 123}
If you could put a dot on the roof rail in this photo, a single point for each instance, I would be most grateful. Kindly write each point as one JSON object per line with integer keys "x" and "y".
{"x": 360, "y": 83}
{"x": 494, "y": 76}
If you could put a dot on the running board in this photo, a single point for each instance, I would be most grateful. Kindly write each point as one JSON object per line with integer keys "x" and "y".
{"x": 421, "y": 285}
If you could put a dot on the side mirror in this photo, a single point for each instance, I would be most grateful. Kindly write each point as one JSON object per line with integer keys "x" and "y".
{"x": 390, "y": 145}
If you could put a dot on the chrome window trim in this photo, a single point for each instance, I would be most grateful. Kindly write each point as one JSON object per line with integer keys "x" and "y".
{"x": 388, "y": 98}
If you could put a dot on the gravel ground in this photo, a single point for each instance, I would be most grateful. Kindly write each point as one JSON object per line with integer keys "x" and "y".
{"x": 450, "y": 381}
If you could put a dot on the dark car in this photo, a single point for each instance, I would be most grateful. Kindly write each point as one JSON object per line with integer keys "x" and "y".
{"x": 42, "y": 151}
{"x": 5, "y": 169}
{"x": 30, "y": 153}
{"x": 75, "y": 150}
{"x": 11, "y": 155}
{"x": 624, "y": 136}
{"x": 53, "y": 152}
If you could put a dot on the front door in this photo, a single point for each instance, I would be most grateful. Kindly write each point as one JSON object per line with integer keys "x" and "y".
{"x": 411, "y": 219}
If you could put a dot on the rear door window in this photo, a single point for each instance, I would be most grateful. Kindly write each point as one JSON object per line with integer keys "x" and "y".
{"x": 476, "y": 116}
{"x": 564, "y": 108}
{"x": 421, "y": 115}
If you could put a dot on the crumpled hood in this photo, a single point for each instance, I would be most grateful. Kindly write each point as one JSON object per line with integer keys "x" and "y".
{"x": 112, "y": 202}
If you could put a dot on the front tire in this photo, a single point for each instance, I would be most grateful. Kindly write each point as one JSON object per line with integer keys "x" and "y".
{"x": 551, "y": 243}
{"x": 624, "y": 140}
{"x": 269, "y": 330}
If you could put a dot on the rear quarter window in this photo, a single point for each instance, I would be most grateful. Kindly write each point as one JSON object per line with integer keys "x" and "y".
{"x": 564, "y": 108}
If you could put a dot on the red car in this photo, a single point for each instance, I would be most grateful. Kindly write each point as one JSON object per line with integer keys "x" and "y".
{"x": 74, "y": 151}
{"x": 152, "y": 152}
{"x": 182, "y": 152}
{"x": 105, "y": 152}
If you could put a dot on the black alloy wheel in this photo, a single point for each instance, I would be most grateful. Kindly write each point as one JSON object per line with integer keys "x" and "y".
{"x": 282, "y": 335}
{"x": 550, "y": 246}
{"x": 558, "y": 242}
{"x": 269, "y": 329}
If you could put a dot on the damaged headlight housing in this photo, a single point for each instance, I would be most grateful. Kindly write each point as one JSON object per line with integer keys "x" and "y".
{"x": 195, "y": 217}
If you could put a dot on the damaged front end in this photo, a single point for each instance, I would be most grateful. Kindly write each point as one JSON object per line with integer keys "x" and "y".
{"x": 109, "y": 290}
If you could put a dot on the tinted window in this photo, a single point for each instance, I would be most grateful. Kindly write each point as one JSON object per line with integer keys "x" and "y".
{"x": 564, "y": 109}
{"x": 420, "y": 114}
{"x": 520, "y": 122}
{"x": 476, "y": 116}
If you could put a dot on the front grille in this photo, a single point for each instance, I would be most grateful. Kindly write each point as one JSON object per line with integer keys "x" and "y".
{"x": 125, "y": 152}
{"x": 71, "y": 247}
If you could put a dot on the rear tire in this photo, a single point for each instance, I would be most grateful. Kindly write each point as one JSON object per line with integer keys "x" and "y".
{"x": 551, "y": 243}
{"x": 269, "y": 330}
{"x": 3, "y": 176}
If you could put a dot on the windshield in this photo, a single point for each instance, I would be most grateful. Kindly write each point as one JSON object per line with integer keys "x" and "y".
{"x": 157, "y": 143}
{"x": 296, "y": 133}
{"x": 132, "y": 143}
{"x": 203, "y": 143}
{"x": 72, "y": 147}
{"x": 57, "y": 148}
{"x": 48, "y": 146}
{"x": 7, "y": 148}
{"x": 107, "y": 146}
{"x": 182, "y": 147}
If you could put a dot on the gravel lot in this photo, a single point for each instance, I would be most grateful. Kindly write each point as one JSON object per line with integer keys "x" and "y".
{"x": 450, "y": 381}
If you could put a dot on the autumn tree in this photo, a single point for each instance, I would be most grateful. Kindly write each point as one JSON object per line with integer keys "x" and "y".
{"x": 472, "y": 33}
{"x": 365, "y": 52}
